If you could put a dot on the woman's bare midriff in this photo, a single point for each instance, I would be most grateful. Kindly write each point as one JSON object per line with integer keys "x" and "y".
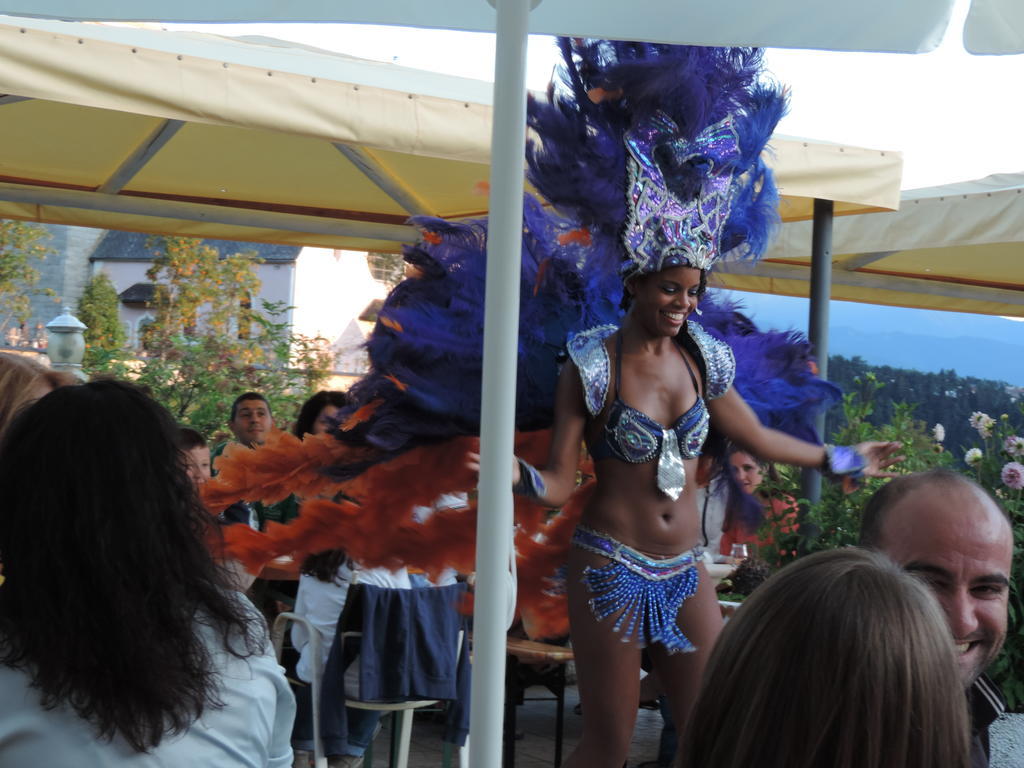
{"x": 628, "y": 506}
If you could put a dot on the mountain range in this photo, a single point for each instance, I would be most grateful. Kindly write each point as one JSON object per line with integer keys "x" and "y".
{"x": 982, "y": 346}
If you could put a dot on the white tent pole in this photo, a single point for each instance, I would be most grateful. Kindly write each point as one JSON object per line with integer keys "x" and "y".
{"x": 497, "y": 420}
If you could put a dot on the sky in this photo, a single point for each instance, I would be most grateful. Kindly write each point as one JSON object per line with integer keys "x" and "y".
{"x": 953, "y": 116}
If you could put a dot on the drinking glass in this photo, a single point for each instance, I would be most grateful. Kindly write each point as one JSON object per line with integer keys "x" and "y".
{"x": 738, "y": 553}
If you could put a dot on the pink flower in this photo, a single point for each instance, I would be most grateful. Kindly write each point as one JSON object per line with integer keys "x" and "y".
{"x": 1013, "y": 475}
{"x": 1014, "y": 446}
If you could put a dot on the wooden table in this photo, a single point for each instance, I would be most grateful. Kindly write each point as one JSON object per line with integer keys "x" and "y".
{"x": 523, "y": 656}
{"x": 282, "y": 568}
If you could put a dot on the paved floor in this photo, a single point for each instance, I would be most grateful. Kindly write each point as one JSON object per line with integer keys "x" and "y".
{"x": 1007, "y": 736}
{"x": 536, "y": 720}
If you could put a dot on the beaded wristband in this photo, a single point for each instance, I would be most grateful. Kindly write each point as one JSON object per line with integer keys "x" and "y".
{"x": 530, "y": 483}
{"x": 845, "y": 464}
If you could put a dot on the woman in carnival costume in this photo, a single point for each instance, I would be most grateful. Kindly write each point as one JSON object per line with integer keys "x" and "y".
{"x": 651, "y": 158}
{"x": 643, "y": 393}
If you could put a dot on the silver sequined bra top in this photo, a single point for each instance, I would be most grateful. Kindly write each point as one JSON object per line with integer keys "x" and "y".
{"x": 633, "y": 436}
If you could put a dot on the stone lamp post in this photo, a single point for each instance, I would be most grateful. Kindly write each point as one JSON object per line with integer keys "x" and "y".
{"x": 65, "y": 343}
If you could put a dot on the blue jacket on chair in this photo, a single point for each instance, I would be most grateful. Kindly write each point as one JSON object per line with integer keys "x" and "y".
{"x": 408, "y": 652}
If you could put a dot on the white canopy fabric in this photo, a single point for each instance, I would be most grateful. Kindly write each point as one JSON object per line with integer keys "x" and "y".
{"x": 995, "y": 27}
{"x": 910, "y": 26}
{"x": 956, "y": 247}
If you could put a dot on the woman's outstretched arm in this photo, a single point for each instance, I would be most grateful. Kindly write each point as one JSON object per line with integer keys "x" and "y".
{"x": 554, "y": 483}
{"x": 731, "y": 416}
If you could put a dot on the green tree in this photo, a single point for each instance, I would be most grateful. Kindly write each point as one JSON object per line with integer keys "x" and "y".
{"x": 939, "y": 398}
{"x": 207, "y": 344}
{"x": 192, "y": 280}
{"x": 98, "y": 309}
{"x": 21, "y": 249}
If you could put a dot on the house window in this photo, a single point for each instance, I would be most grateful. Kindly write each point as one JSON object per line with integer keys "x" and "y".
{"x": 387, "y": 268}
{"x": 140, "y": 332}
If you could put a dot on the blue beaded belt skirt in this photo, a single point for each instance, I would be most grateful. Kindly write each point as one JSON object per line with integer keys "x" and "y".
{"x": 644, "y": 592}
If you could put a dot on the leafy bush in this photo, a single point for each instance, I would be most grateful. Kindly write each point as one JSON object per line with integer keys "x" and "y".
{"x": 834, "y": 521}
{"x": 997, "y": 463}
{"x": 98, "y": 309}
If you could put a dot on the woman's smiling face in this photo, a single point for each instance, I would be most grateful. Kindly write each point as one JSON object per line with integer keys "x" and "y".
{"x": 662, "y": 301}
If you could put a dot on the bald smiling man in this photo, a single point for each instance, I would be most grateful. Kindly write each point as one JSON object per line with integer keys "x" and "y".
{"x": 947, "y": 529}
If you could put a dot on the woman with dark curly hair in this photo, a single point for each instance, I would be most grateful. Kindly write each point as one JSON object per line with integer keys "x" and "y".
{"x": 121, "y": 641}
{"x": 319, "y": 413}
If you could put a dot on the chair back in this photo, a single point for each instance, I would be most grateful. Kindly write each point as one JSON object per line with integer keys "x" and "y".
{"x": 398, "y": 649}
{"x": 408, "y": 642}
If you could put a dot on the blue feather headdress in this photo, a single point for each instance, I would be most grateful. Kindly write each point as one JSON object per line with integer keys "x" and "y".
{"x": 657, "y": 151}
{"x": 701, "y": 117}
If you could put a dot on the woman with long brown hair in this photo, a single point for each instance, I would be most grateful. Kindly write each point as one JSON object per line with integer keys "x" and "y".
{"x": 22, "y": 381}
{"x": 122, "y": 641}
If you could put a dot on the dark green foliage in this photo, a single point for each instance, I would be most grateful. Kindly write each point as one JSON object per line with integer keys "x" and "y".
{"x": 835, "y": 520}
{"x": 938, "y": 398}
{"x": 98, "y": 309}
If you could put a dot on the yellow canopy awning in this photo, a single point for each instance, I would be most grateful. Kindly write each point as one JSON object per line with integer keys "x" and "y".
{"x": 957, "y": 247}
{"x": 194, "y": 134}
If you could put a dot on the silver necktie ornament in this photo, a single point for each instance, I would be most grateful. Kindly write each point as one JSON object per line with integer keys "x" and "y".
{"x": 671, "y": 474}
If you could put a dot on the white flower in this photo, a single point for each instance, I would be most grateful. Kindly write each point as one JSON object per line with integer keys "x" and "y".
{"x": 939, "y": 433}
{"x": 983, "y": 423}
{"x": 1014, "y": 446}
{"x": 973, "y": 457}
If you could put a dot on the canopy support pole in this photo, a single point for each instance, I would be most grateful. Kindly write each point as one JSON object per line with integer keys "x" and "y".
{"x": 817, "y": 322}
{"x": 141, "y": 155}
{"x": 384, "y": 180}
{"x": 260, "y": 220}
{"x": 497, "y": 413}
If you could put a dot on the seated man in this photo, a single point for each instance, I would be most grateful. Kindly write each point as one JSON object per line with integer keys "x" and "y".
{"x": 949, "y": 530}
{"x": 250, "y": 422}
